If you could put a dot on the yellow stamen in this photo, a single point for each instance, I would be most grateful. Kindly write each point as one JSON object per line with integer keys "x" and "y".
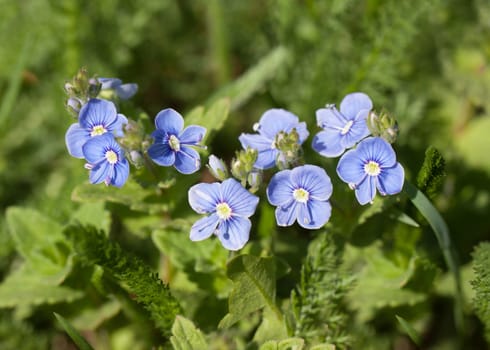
{"x": 111, "y": 157}
{"x": 301, "y": 195}
{"x": 223, "y": 210}
{"x": 372, "y": 168}
{"x": 98, "y": 130}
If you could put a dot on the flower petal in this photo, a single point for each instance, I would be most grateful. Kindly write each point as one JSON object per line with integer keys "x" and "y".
{"x": 95, "y": 148}
{"x": 75, "y": 138}
{"x": 169, "y": 121}
{"x": 234, "y": 233}
{"x": 126, "y": 91}
{"x": 187, "y": 160}
{"x": 353, "y": 103}
{"x": 266, "y": 159}
{"x": 357, "y": 131}
{"x": 109, "y": 83}
{"x": 351, "y": 167}
{"x": 255, "y": 141}
{"x": 328, "y": 143}
{"x": 378, "y": 150}
{"x": 390, "y": 180}
{"x": 276, "y": 120}
{"x": 97, "y": 112}
{"x": 241, "y": 202}
{"x": 100, "y": 172}
{"x": 204, "y": 197}
{"x": 117, "y": 127}
{"x": 313, "y": 179}
{"x": 366, "y": 190}
{"x": 314, "y": 214}
{"x": 192, "y": 135}
{"x": 330, "y": 117}
{"x": 286, "y": 215}
{"x": 121, "y": 173}
{"x": 204, "y": 227}
{"x": 280, "y": 189}
{"x": 162, "y": 154}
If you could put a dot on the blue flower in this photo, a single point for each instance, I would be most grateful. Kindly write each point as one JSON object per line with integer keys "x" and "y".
{"x": 372, "y": 164}
{"x": 301, "y": 194}
{"x": 96, "y": 117}
{"x": 123, "y": 91}
{"x": 342, "y": 130}
{"x": 217, "y": 167}
{"x": 270, "y": 125}
{"x": 171, "y": 143}
{"x": 229, "y": 206}
{"x": 106, "y": 160}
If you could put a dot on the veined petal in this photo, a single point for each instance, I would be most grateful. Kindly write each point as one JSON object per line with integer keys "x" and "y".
{"x": 390, "y": 180}
{"x": 121, "y": 173}
{"x": 117, "y": 127}
{"x": 204, "y": 197}
{"x": 366, "y": 190}
{"x": 234, "y": 233}
{"x": 286, "y": 215}
{"x": 162, "y": 154}
{"x": 97, "y": 112}
{"x": 313, "y": 179}
{"x": 100, "y": 172}
{"x": 351, "y": 167}
{"x": 275, "y": 120}
{"x": 378, "y": 150}
{"x": 266, "y": 159}
{"x": 95, "y": 148}
{"x": 187, "y": 160}
{"x": 255, "y": 141}
{"x": 109, "y": 83}
{"x": 204, "y": 227}
{"x": 328, "y": 143}
{"x": 353, "y": 103}
{"x": 280, "y": 189}
{"x": 330, "y": 118}
{"x": 301, "y": 130}
{"x": 192, "y": 135}
{"x": 126, "y": 91}
{"x": 357, "y": 131}
{"x": 314, "y": 214}
{"x": 75, "y": 138}
{"x": 241, "y": 202}
{"x": 169, "y": 121}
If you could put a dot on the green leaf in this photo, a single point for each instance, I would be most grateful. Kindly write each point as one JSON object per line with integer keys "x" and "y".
{"x": 93, "y": 214}
{"x": 286, "y": 344}
{"x": 481, "y": 285}
{"x": 213, "y": 119}
{"x": 432, "y": 172}
{"x": 91, "y": 319}
{"x": 254, "y": 286}
{"x": 72, "y": 332}
{"x": 411, "y": 332}
{"x": 271, "y": 328}
{"x": 474, "y": 143}
{"x": 185, "y": 336}
{"x": 323, "y": 347}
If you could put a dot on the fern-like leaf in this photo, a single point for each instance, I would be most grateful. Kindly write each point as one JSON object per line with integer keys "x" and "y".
{"x": 481, "y": 285}
{"x": 431, "y": 174}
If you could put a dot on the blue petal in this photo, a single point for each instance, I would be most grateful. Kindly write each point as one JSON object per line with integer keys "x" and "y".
{"x": 286, "y": 215}
{"x": 109, "y": 83}
{"x": 280, "y": 189}
{"x": 117, "y": 127}
{"x": 192, "y": 135}
{"x": 162, "y": 154}
{"x": 241, "y": 202}
{"x": 204, "y": 227}
{"x": 275, "y": 120}
{"x": 255, "y": 141}
{"x": 301, "y": 130}
{"x": 314, "y": 214}
{"x": 204, "y": 197}
{"x": 313, "y": 179}
{"x": 390, "y": 180}
{"x": 378, "y": 150}
{"x": 75, "y": 138}
{"x": 95, "y": 148}
{"x": 187, "y": 160}
{"x": 351, "y": 167}
{"x": 357, "y": 131}
{"x": 266, "y": 159}
{"x": 97, "y": 112}
{"x": 100, "y": 173}
{"x": 353, "y": 103}
{"x": 121, "y": 173}
{"x": 234, "y": 233}
{"x": 366, "y": 190}
{"x": 169, "y": 121}
{"x": 330, "y": 118}
{"x": 126, "y": 91}
{"x": 328, "y": 143}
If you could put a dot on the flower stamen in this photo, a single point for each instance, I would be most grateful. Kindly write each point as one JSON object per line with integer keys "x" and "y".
{"x": 223, "y": 210}
{"x": 111, "y": 157}
{"x": 98, "y": 130}
{"x": 372, "y": 168}
{"x": 301, "y": 195}
{"x": 346, "y": 127}
{"x": 174, "y": 143}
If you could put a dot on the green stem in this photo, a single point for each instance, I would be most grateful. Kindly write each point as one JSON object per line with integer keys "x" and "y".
{"x": 441, "y": 232}
{"x": 220, "y": 53}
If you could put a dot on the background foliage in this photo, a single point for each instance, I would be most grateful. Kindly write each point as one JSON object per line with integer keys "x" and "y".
{"x": 426, "y": 62}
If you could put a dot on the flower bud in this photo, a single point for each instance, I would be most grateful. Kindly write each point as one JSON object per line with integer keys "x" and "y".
{"x": 217, "y": 167}
{"x": 254, "y": 180}
{"x": 383, "y": 125}
{"x": 74, "y": 105}
{"x": 243, "y": 164}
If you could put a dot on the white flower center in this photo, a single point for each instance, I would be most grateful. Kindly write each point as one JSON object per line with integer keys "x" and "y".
{"x": 372, "y": 168}
{"x": 223, "y": 210}
{"x": 301, "y": 195}
{"x": 174, "y": 143}
{"x": 111, "y": 156}
{"x": 98, "y": 130}
{"x": 347, "y": 127}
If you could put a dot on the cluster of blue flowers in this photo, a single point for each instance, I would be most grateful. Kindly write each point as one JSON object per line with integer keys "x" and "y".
{"x": 300, "y": 192}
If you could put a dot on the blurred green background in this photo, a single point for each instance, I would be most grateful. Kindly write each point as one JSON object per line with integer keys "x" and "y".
{"x": 426, "y": 62}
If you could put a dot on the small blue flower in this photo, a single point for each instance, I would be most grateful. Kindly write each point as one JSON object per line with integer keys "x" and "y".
{"x": 106, "y": 160}
{"x": 301, "y": 194}
{"x": 342, "y": 130}
{"x": 123, "y": 91}
{"x": 229, "y": 206}
{"x": 171, "y": 146}
{"x": 96, "y": 117}
{"x": 270, "y": 125}
{"x": 372, "y": 164}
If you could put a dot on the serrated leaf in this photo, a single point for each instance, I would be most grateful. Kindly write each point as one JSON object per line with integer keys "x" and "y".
{"x": 185, "y": 336}
{"x": 323, "y": 347}
{"x": 93, "y": 214}
{"x": 286, "y": 344}
{"x": 271, "y": 328}
{"x": 72, "y": 332}
{"x": 254, "y": 286}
